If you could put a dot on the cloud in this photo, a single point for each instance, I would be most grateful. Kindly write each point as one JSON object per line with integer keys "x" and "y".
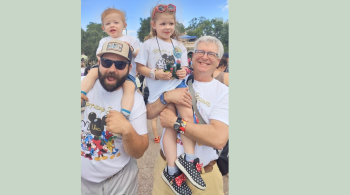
{"x": 224, "y": 7}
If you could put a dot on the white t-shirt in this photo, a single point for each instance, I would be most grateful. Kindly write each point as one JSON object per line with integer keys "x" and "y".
{"x": 149, "y": 56}
{"x": 102, "y": 154}
{"x": 127, "y": 38}
{"x": 212, "y": 103}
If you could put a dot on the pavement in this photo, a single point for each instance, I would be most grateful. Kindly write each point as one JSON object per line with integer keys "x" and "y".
{"x": 147, "y": 161}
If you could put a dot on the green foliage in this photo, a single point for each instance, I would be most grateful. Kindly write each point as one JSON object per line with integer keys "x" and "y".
{"x": 90, "y": 40}
{"x": 145, "y": 28}
{"x": 215, "y": 27}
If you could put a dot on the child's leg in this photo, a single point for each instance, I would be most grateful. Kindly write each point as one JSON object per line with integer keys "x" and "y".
{"x": 187, "y": 114}
{"x": 128, "y": 98}
{"x": 88, "y": 82}
{"x": 169, "y": 145}
{"x": 155, "y": 129}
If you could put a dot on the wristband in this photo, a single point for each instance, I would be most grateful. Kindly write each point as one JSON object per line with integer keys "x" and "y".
{"x": 162, "y": 99}
{"x": 83, "y": 92}
{"x": 152, "y": 74}
{"x": 182, "y": 126}
{"x": 133, "y": 52}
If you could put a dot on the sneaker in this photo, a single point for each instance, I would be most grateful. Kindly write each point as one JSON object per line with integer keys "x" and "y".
{"x": 191, "y": 170}
{"x": 156, "y": 140}
{"x": 176, "y": 182}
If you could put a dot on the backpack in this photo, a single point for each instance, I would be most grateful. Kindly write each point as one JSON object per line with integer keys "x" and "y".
{"x": 222, "y": 161}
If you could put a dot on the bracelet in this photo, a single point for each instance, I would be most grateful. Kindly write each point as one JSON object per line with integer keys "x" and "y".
{"x": 188, "y": 71}
{"x": 182, "y": 126}
{"x": 83, "y": 92}
{"x": 133, "y": 52}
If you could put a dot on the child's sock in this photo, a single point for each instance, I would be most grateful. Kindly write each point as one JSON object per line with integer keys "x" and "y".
{"x": 190, "y": 157}
{"x": 126, "y": 113}
{"x": 172, "y": 170}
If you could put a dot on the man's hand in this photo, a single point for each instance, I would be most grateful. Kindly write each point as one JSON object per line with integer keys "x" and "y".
{"x": 181, "y": 73}
{"x": 116, "y": 123}
{"x": 179, "y": 96}
{"x": 167, "y": 118}
{"x": 83, "y": 97}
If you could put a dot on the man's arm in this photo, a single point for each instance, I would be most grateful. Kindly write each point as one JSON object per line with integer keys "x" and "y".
{"x": 134, "y": 144}
{"x": 176, "y": 96}
{"x": 214, "y": 134}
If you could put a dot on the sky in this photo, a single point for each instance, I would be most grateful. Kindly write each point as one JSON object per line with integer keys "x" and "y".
{"x": 186, "y": 10}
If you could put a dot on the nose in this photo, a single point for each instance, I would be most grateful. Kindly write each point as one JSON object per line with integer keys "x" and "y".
{"x": 112, "y": 68}
{"x": 205, "y": 56}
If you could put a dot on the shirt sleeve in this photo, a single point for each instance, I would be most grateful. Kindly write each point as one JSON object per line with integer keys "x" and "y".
{"x": 138, "y": 118}
{"x": 136, "y": 43}
{"x": 220, "y": 111}
{"x": 142, "y": 56}
{"x": 99, "y": 48}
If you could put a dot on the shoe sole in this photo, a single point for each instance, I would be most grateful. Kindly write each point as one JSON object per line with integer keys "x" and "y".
{"x": 171, "y": 187}
{"x": 178, "y": 164}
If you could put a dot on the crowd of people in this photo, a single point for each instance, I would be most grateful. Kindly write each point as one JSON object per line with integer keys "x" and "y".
{"x": 114, "y": 114}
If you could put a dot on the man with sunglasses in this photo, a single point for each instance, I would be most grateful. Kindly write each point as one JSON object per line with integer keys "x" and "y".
{"x": 212, "y": 103}
{"x": 110, "y": 143}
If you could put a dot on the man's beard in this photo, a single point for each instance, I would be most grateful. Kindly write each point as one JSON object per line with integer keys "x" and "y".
{"x": 119, "y": 81}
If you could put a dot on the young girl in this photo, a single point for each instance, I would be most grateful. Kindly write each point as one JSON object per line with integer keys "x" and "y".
{"x": 158, "y": 51}
{"x": 113, "y": 23}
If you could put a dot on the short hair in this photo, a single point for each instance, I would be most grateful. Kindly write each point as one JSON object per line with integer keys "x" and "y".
{"x": 226, "y": 55}
{"x": 211, "y": 39}
{"x": 113, "y": 10}
{"x": 223, "y": 62}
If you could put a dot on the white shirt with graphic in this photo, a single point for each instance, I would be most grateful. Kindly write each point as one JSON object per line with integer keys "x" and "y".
{"x": 212, "y": 103}
{"x": 102, "y": 153}
{"x": 150, "y": 56}
{"x": 134, "y": 42}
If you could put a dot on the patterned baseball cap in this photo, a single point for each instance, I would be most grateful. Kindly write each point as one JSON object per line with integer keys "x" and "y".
{"x": 117, "y": 47}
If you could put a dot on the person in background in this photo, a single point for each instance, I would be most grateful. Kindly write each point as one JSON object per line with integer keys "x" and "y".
{"x": 226, "y": 56}
{"x": 219, "y": 73}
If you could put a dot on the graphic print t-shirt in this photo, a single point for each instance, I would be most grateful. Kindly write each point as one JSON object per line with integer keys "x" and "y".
{"x": 150, "y": 56}
{"x": 212, "y": 103}
{"x": 102, "y": 153}
{"x": 127, "y": 38}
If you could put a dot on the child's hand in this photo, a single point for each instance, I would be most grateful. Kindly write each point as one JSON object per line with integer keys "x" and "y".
{"x": 132, "y": 49}
{"x": 83, "y": 97}
{"x": 181, "y": 73}
{"x": 161, "y": 75}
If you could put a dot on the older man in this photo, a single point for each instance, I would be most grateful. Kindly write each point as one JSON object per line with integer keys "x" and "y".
{"x": 212, "y": 104}
{"x": 110, "y": 143}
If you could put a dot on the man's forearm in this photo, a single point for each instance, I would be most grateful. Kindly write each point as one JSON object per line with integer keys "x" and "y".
{"x": 134, "y": 144}
{"x": 215, "y": 136}
{"x": 154, "y": 109}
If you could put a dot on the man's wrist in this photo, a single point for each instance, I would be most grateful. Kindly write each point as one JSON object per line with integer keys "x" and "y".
{"x": 162, "y": 99}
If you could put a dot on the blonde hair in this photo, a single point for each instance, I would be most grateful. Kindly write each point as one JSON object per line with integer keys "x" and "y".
{"x": 113, "y": 10}
{"x": 153, "y": 32}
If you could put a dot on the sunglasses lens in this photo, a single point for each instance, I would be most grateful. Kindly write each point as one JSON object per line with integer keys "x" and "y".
{"x": 106, "y": 63}
{"x": 171, "y": 7}
{"x": 120, "y": 65}
{"x": 161, "y": 8}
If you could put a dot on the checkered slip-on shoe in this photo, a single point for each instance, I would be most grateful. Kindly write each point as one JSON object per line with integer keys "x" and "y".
{"x": 191, "y": 170}
{"x": 176, "y": 182}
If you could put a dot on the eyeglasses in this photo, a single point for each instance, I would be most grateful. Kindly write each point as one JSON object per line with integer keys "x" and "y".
{"x": 161, "y": 8}
{"x": 201, "y": 53}
{"x": 120, "y": 65}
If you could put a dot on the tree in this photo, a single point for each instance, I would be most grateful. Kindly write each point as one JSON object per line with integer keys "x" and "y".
{"x": 145, "y": 28}
{"x": 90, "y": 40}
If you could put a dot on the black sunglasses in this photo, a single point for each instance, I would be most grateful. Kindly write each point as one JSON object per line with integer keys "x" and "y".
{"x": 120, "y": 65}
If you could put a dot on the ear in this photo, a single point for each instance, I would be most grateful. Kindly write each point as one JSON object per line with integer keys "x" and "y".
{"x": 125, "y": 25}
{"x": 153, "y": 25}
{"x": 103, "y": 28}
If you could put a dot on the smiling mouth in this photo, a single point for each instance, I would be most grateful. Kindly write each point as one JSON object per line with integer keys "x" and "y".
{"x": 112, "y": 31}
